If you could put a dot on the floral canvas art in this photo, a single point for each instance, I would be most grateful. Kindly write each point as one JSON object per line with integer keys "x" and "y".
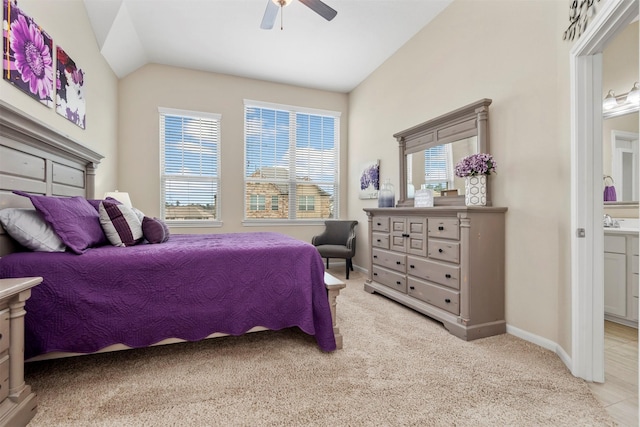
{"x": 70, "y": 102}
{"x": 27, "y": 61}
{"x": 370, "y": 180}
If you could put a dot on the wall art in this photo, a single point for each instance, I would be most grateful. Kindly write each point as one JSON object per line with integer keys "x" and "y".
{"x": 27, "y": 61}
{"x": 370, "y": 180}
{"x": 70, "y": 101}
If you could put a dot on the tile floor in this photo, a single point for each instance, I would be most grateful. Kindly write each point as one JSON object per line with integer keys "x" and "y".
{"x": 619, "y": 393}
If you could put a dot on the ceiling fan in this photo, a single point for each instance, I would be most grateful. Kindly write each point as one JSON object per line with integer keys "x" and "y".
{"x": 273, "y": 6}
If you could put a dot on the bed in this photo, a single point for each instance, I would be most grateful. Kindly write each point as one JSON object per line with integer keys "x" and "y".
{"x": 187, "y": 288}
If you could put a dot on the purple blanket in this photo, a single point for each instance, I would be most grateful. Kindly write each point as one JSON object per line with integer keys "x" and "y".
{"x": 189, "y": 287}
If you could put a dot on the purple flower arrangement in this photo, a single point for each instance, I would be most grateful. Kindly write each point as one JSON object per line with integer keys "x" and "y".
{"x": 476, "y": 164}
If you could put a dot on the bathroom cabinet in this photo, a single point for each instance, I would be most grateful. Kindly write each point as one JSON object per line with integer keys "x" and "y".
{"x": 621, "y": 277}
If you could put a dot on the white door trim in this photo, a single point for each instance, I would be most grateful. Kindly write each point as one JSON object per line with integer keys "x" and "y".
{"x": 587, "y": 260}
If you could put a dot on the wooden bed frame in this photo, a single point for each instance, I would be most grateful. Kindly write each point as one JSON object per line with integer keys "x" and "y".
{"x": 37, "y": 159}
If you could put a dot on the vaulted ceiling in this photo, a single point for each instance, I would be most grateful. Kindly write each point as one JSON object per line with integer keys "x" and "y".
{"x": 224, "y": 36}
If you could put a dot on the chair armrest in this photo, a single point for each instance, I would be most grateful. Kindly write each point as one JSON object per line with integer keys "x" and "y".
{"x": 320, "y": 239}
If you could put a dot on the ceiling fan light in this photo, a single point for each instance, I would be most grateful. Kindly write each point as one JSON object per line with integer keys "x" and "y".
{"x": 634, "y": 94}
{"x": 609, "y": 101}
{"x": 282, "y": 3}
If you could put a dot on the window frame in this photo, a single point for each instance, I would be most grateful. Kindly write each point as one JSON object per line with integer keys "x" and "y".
{"x": 193, "y": 223}
{"x": 292, "y": 218}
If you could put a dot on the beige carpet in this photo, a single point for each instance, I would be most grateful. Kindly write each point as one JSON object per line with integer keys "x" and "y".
{"x": 397, "y": 368}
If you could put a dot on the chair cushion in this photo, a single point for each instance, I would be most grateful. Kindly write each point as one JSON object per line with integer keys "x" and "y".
{"x": 334, "y": 251}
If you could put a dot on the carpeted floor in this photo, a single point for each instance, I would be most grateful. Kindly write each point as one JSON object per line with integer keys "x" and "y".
{"x": 397, "y": 368}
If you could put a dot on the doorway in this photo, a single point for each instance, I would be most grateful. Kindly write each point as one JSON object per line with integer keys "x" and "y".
{"x": 587, "y": 263}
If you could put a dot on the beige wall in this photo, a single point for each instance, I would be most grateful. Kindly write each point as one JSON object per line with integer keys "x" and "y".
{"x": 153, "y": 86}
{"x": 513, "y": 53}
{"x": 67, "y": 24}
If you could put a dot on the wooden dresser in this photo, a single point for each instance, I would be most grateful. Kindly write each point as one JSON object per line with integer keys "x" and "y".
{"x": 17, "y": 401}
{"x": 446, "y": 262}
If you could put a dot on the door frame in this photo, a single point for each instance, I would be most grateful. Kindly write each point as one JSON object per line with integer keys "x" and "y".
{"x": 587, "y": 247}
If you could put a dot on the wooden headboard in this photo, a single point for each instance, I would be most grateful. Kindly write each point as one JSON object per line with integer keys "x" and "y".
{"x": 39, "y": 160}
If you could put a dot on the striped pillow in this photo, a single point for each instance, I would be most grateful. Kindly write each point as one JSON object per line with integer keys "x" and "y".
{"x": 120, "y": 224}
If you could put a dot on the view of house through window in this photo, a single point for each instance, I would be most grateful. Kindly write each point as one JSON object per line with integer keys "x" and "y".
{"x": 291, "y": 162}
{"x": 190, "y": 155}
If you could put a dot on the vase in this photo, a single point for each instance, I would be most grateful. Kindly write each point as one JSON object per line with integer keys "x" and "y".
{"x": 386, "y": 196}
{"x": 475, "y": 190}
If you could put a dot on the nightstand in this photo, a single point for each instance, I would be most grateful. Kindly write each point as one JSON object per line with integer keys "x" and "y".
{"x": 17, "y": 402}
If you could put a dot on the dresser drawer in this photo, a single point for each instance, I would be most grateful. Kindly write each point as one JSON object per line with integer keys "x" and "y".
{"x": 444, "y": 228}
{"x": 5, "y": 325}
{"x": 380, "y": 223}
{"x": 380, "y": 240}
{"x": 4, "y": 378}
{"x": 432, "y": 271}
{"x": 392, "y": 260}
{"x": 389, "y": 278}
{"x": 445, "y": 251}
{"x": 443, "y": 298}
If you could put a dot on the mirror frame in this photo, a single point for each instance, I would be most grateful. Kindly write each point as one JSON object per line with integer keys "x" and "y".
{"x": 470, "y": 120}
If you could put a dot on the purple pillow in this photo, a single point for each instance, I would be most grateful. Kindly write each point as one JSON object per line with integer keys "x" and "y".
{"x": 73, "y": 219}
{"x": 155, "y": 230}
{"x": 96, "y": 202}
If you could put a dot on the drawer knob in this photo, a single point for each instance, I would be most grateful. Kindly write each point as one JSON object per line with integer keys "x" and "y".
{"x": 412, "y": 287}
{"x": 448, "y": 276}
{"x": 447, "y": 300}
{"x": 375, "y": 274}
{"x": 440, "y": 228}
{"x": 398, "y": 282}
{"x": 378, "y": 240}
{"x": 379, "y": 223}
{"x": 375, "y": 256}
{"x": 398, "y": 262}
{"x": 440, "y": 250}
{"x": 412, "y": 266}
{"x": 405, "y": 235}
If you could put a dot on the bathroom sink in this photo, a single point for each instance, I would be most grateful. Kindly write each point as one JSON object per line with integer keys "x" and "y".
{"x": 624, "y": 225}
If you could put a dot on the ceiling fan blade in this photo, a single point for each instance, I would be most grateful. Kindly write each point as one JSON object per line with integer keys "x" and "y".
{"x": 320, "y": 8}
{"x": 270, "y": 14}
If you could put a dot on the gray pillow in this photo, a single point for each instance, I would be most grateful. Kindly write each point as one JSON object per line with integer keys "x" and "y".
{"x": 28, "y": 227}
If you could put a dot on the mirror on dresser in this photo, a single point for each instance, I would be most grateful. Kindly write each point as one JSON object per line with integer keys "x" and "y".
{"x": 429, "y": 152}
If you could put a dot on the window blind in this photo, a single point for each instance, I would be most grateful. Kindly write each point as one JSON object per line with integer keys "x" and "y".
{"x": 190, "y": 159}
{"x": 291, "y": 158}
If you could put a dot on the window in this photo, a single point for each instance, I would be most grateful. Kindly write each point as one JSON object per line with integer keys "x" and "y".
{"x": 190, "y": 172}
{"x": 438, "y": 173}
{"x": 291, "y": 156}
{"x": 257, "y": 202}
{"x": 306, "y": 203}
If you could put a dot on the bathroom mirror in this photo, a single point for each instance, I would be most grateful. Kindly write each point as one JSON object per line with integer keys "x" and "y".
{"x": 620, "y": 124}
{"x": 430, "y": 151}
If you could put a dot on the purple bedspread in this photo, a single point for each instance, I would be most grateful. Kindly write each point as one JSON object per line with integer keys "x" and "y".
{"x": 189, "y": 287}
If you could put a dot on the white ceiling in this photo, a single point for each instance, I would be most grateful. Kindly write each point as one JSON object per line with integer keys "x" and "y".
{"x": 224, "y": 36}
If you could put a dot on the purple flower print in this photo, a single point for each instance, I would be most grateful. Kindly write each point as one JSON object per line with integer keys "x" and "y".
{"x": 370, "y": 176}
{"x": 32, "y": 57}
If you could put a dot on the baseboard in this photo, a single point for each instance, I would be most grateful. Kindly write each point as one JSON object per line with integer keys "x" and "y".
{"x": 542, "y": 342}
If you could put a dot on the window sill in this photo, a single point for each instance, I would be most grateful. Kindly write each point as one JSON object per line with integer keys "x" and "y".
{"x": 287, "y": 223}
{"x": 193, "y": 224}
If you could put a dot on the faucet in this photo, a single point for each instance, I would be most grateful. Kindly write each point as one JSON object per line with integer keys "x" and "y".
{"x": 610, "y": 222}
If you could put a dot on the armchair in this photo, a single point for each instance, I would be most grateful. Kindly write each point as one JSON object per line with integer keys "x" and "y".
{"x": 337, "y": 241}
